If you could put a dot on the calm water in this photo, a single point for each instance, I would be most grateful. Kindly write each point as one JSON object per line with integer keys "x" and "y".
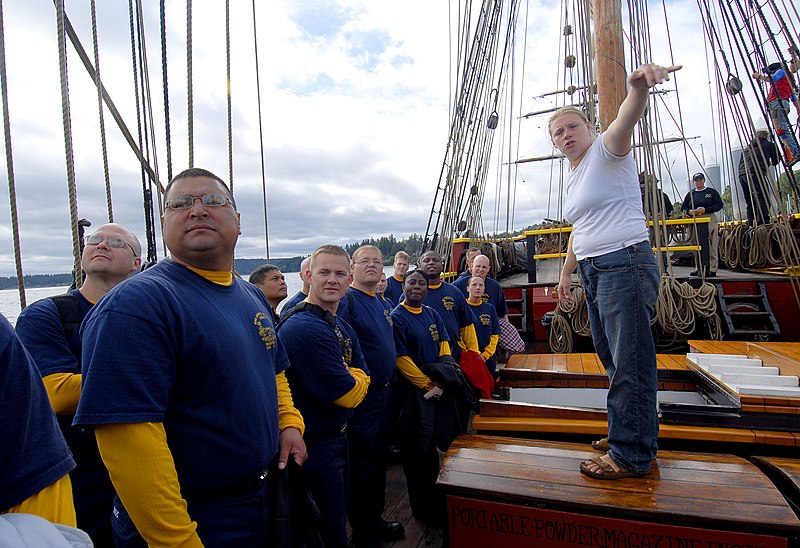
{"x": 9, "y": 298}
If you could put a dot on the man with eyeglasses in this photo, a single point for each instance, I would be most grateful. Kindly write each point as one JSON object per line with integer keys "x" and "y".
{"x": 49, "y": 330}
{"x": 184, "y": 386}
{"x": 368, "y": 428}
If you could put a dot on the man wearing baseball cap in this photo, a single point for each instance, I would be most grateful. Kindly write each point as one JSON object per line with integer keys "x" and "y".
{"x": 703, "y": 201}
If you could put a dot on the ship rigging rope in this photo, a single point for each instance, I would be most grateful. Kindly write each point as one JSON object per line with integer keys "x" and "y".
{"x": 189, "y": 88}
{"x": 100, "y": 113}
{"x": 165, "y": 84}
{"x": 68, "y": 152}
{"x": 12, "y": 187}
{"x": 135, "y": 21}
{"x": 261, "y": 134}
{"x": 228, "y": 90}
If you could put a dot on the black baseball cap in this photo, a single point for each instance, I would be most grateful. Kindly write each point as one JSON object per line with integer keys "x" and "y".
{"x": 698, "y": 176}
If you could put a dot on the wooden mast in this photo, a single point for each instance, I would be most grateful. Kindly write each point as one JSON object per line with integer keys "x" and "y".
{"x": 610, "y": 59}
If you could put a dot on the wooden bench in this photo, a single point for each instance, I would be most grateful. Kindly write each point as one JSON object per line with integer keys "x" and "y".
{"x": 509, "y": 492}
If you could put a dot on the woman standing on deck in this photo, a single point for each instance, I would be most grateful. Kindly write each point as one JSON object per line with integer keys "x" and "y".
{"x": 487, "y": 324}
{"x": 429, "y": 420}
{"x": 610, "y": 247}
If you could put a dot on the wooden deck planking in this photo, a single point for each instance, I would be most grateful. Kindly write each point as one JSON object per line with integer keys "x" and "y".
{"x": 666, "y": 431}
{"x": 585, "y": 363}
{"x": 418, "y": 533}
{"x": 701, "y": 488}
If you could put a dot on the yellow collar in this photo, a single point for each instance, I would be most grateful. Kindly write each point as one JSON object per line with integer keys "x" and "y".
{"x": 411, "y": 308}
{"x": 219, "y": 278}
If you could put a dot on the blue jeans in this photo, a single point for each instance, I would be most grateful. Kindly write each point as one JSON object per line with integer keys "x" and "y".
{"x": 779, "y": 111}
{"x": 621, "y": 290}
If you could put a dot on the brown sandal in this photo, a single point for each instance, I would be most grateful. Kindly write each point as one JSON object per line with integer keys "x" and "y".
{"x": 600, "y": 445}
{"x": 607, "y": 472}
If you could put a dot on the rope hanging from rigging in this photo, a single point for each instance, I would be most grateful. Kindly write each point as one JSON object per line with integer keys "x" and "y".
{"x": 100, "y": 113}
{"x": 165, "y": 82}
{"x": 141, "y": 93}
{"x": 12, "y": 187}
{"x": 261, "y": 135}
{"x": 189, "y": 84}
{"x": 77, "y": 273}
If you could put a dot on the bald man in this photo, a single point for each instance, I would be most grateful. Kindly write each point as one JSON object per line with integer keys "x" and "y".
{"x": 493, "y": 293}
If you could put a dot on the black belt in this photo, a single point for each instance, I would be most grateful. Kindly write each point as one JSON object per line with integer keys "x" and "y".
{"x": 325, "y": 434}
{"x": 245, "y": 488}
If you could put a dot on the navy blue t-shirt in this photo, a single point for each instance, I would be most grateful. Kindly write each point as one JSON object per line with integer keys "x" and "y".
{"x": 394, "y": 290}
{"x": 292, "y": 301}
{"x": 318, "y": 375}
{"x": 492, "y": 292}
{"x": 486, "y": 323}
{"x": 418, "y": 335}
{"x": 449, "y": 303}
{"x": 33, "y": 453}
{"x": 40, "y": 329}
{"x": 369, "y": 318}
{"x": 169, "y": 346}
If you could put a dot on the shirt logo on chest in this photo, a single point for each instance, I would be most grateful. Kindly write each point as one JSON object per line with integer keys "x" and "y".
{"x": 434, "y": 332}
{"x": 265, "y": 330}
{"x": 486, "y": 319}
{"x": 448, "y": 303}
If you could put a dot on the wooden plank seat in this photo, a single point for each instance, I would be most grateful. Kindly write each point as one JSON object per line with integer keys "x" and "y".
{"x": 785, "y": 473}
{"x": 510, "y": 492}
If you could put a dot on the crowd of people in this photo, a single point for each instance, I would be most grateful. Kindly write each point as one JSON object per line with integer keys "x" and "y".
{"x": 153, "y": 407}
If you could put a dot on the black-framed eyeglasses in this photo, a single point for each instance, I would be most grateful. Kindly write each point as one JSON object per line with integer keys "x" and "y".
{"x": 111, "y": 241}
{"x": 209, "y": 200}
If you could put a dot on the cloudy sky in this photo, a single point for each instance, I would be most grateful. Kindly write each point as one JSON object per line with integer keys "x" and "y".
{"x": 355, "y": 112}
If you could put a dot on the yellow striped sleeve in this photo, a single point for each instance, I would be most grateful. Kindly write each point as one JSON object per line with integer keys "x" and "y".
{"x": 410, "y": 371}
{"x": 488, "y": 352}
{"x": 53, "y": 503}
{"x": 288, "y": 415}
{"x": 358, "y": 392}
{"x": 64, "y": 391}
{"x": 469, "y": 339}
{"x": 143, "y": 473}
{"x": 444, "y": 348}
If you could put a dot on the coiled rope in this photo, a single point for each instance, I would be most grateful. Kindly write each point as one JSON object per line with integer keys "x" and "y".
{"x": 562, "y": 330}
{"x": 678, "y": 305}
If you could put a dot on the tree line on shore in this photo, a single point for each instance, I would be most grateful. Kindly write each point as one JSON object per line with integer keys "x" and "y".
{"x": 388, "y": 245}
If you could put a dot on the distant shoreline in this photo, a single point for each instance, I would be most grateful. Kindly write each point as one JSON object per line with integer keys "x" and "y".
{"x": 243, "y": 266}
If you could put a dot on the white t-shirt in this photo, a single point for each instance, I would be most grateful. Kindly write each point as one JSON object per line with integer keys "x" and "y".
{"x": 603, "y": 203}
